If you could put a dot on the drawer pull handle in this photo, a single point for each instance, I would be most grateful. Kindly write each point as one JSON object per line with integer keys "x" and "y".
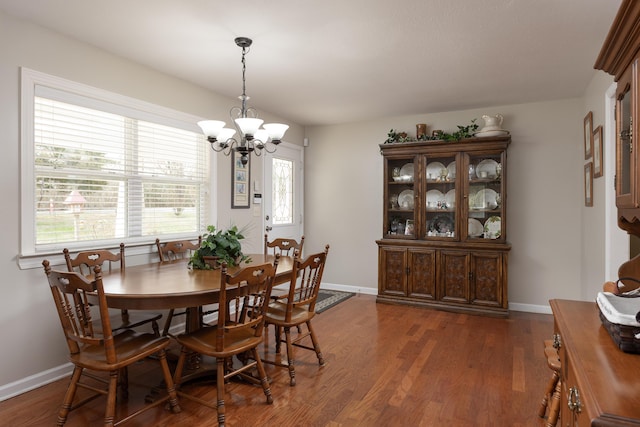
{"x": 574, "y": 400}
{"x": 557, "y": 343}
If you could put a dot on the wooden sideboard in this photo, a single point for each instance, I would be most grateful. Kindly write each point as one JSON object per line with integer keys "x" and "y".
{"x": 600, "y": 382}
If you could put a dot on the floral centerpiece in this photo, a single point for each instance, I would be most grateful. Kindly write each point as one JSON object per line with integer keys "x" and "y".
{"x": 219, "y": 246}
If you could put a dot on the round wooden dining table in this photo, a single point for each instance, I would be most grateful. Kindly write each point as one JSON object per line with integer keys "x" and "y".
{"x": 161, "y": 286}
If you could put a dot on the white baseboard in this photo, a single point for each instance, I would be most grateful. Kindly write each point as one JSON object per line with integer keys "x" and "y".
{"x": 346, "y": 288}
{"x": 528, "y": 308}
{"x": 32, "y": 382}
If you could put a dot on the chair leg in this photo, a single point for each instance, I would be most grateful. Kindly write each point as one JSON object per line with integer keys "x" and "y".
{"x": 554, "y": 410}
{"x": 123, "y": 383}
{"x": 290, "y": 358}
{"x": 220, "y": 367}
{"x": 167, "y": 323}
{"x": 110, "y": 410}
{"x": 316, "y": 346}
{"x": 68, "y": 397}
{"x": 263, "y": 376}
{"x": 177, "y": 374}
{"x": 278, "y": 332}
{"x": 171, "y": 390}
{"x": 156, "y": 329}
{"x": 547, "y": 393}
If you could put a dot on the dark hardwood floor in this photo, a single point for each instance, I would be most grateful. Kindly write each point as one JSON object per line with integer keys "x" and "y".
{"x": 386, "y": 365}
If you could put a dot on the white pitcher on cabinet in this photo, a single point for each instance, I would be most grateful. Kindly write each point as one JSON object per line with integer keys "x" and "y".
{"x": 493, "y": 126}
{"x": 492, "y": 122}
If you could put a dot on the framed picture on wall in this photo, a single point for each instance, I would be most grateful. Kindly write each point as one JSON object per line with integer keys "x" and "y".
{"x": 588, "y": 184}
{"x": 588, "y": 135}
{"x": 240, "y": 179}
{"x": 597, "y": 152}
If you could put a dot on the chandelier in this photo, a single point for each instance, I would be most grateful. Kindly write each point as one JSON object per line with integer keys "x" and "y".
{"x": 251, "y": 138}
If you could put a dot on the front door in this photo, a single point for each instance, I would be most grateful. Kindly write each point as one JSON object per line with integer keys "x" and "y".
{"x": 284, "y": 192}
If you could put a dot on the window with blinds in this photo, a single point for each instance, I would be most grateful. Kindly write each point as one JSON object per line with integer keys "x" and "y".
{"x": 104, "y": 172}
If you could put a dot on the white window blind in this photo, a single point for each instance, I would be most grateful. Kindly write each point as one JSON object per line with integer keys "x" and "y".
{"x": 105, "y": 172}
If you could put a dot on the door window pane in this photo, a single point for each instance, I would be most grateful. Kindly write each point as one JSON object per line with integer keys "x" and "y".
{"x": 282, "y": 185}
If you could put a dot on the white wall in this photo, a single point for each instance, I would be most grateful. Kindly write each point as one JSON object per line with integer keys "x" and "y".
{"x": 545, "y": 198}
{"x": 594, "y": 256}
{"x": 31, "y": 335}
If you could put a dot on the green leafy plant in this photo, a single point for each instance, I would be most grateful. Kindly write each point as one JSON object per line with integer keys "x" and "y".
{"x": 222, "y": 244}
{"x": 394, "y": 136}
{"x": 462, "y": 132}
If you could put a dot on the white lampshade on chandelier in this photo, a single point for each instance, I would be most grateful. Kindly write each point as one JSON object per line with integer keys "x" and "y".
{"x": 251, "y": 137}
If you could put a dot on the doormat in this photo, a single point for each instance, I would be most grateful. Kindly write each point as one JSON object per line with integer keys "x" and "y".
{"x": 329, "y": 298}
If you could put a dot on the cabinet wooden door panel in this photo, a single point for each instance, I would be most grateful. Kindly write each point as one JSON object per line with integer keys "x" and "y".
{"x": 454, "y": 270}
{"x": 625, "y": 160}
{"x": 422, "y": 273}
{"x": 407, "y": 272}
{"x": 393, "y": 275}
{"x": 486, "y": 286}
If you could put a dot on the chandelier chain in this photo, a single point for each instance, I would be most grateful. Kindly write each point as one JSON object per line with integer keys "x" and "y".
{"x": 244, "y": 84}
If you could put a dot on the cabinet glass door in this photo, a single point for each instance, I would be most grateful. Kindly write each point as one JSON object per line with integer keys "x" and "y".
{"x": 485, "y": 219}
{"x": 441, "y": 198}
{"x": 624, "y": 143}
{"x": 400, "y": 198}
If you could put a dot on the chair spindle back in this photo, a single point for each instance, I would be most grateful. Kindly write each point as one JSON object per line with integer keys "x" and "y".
{"x": 85, "y": 261}
{"x": 306, "y": 279}
{"x": 177, "y": 249}
{"x": 71, "y": 292}
{"x": 283, "y": 246}
{"x": 243, "y": 301}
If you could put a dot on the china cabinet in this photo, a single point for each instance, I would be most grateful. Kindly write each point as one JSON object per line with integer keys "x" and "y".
{"x": 444, "y": 230}
{"x": 620, "y": 57}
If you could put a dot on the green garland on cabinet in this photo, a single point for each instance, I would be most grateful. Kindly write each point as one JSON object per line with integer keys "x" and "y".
{"x": 463, "y": 132}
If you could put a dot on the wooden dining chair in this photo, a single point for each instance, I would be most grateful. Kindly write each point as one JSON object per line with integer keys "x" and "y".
{"x": 100, "y": 350}
{"x": 553, "y": 391}
{"x": 171, "y": 251}
{"x": 176, "y": 249}
{"x": 85, "y": 261}
{"x": 244, "y": 297}
{"x": 298, "y": 308}
{"x": 282, "y": 246}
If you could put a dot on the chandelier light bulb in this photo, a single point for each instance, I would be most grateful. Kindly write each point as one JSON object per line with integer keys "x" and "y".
{"x": 249, "y": 126}
{"x": 226, "y": 134}
{"x": 276, "y": 130}
{"x": 261, "y": 137}
{"x": 211, "y": 128}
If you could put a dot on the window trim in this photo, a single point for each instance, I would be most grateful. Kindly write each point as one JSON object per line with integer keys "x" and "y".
{"x": 29, "y": 256}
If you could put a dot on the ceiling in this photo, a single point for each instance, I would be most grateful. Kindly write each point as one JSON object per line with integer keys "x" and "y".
{"x": 337, "y": 61}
